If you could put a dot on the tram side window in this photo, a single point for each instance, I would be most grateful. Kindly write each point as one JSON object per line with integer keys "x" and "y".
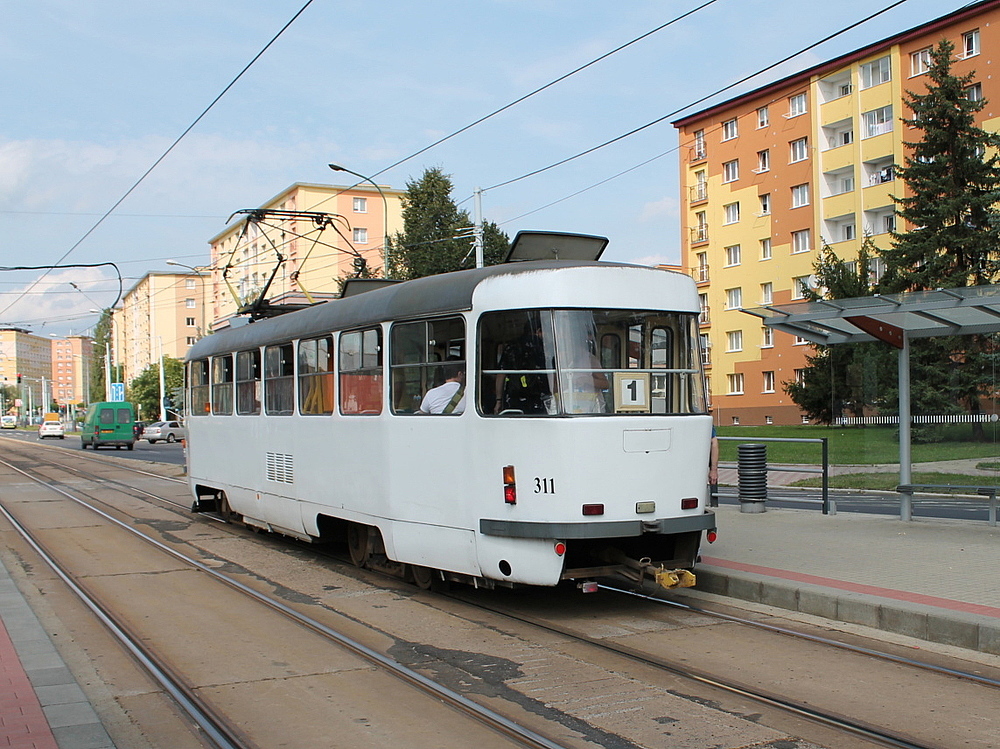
{"x": 316, "y": 376}
{"x": 279, "y": 380}
{"x": 361, "y": 372}
{"x": 423, "y": 354}
{"x": 222, "y": 385}
{"x": 198, "y": 404}
{"x": 248, "y": 382}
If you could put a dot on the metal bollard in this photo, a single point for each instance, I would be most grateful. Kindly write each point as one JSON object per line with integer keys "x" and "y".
{"x": 752, "y": 477}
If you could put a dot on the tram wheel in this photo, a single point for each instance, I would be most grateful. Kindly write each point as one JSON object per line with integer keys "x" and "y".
{"x": 423, "y": 577}
{"x": 358, "y": 544}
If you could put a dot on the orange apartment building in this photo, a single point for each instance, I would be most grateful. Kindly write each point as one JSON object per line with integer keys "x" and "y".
{"x": 244, "y": 256}
{"x": 769, "y": 177}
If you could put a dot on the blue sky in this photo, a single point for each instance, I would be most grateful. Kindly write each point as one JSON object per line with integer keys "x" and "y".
{"x": 95, "y": 91}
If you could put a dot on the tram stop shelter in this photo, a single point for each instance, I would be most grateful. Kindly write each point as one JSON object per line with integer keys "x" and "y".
{"x": 894, "y": 319}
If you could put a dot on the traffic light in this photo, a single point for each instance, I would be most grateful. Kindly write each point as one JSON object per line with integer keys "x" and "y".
{"x": 18, "y": 378}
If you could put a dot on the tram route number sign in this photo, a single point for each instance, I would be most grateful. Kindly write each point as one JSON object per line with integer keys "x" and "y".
{"x": 631, "y": 391}
{"x": 117, "y": 392}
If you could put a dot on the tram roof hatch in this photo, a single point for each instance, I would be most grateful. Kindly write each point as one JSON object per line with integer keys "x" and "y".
{"x": 551, "y": 245}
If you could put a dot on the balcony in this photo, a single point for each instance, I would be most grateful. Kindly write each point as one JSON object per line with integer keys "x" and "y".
{"x": 700, "y": 274}
{"x": 699, "y": 235}
{"x": 705, "y": 318}
{"x": 697, "y": 152}
{"x": 699, "y": 192}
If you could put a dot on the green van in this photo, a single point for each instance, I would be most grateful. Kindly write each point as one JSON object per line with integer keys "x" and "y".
{"x": 111, "y": 424}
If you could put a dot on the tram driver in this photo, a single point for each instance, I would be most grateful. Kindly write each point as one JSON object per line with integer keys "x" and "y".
{"x": 519, "y": 388}
{"x": 449, "y": 396}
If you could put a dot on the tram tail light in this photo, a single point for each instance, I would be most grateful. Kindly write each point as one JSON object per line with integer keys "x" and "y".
{"x": 559, "y": 548}
{"x": 689, "y": 503}
{"x": 593, "y": 509}
{"x": 509, "y": 486}
{"x": 711, "y": 536}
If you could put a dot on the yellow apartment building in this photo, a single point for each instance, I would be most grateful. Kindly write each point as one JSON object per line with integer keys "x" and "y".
{"x": 163, "y": 314}
{"x": 28, "y": 357}
{"x": 770, "y": 176}
{"x": 303, "y": 259}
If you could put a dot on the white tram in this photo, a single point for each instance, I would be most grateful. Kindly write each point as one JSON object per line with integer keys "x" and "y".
{"x": 576, "y": 445}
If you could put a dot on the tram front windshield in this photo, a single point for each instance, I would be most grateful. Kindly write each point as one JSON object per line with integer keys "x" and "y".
{"x": 561, "y": 362}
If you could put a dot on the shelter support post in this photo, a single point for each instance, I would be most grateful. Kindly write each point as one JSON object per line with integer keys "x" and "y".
{"x": 905, "y": 464}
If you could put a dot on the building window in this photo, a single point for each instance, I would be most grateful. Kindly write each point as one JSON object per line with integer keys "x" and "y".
{"x": 704, "y": 318}
{"x": 730, "y": 129}
{"x": 699, "y": 190}
{"x": 800, "y": 195}
{"x": 848, "y": 231}
{"x": 768, "y": 382}
{"x": 699, "y": 232}
{"x": 733, "y": 255}
{"x": 799, "y": 150}
{"x": 766, "y": 293}
{"x": 768, "y": 419}
{"x": 765, "y": 249}
{"x": 736, "y": 388}
{"x": 800, "y": 376}
{"x": 797, "y": 105}
{"x": 190, "y": 303}
{"x": 765, "y": 204}
{"x": 360, "y": 235}
{"x": 877, "y": 121}
{"x": 736, "y": 421}
{"x": 188, "y": 283}
{"x": 764, "y": 119}
{"x": 191, "y": 340}
{"x": 763, "y": 161}
{"x": 731, "y": 171}
{"x": 766, "y": 337}
{"x": 920, "y": 61}
{"x": 801, "y": 285}
{"x": 732, "y": 211}
{"x": 189, "y": 321}
{"x": 698, "y": 151}
{"x": 801, "y": 241}
{"x": 702, "y": 269}
{"x": 974, "y": 92}
{"x": 970, "y": 43}
{"x": 361, "y": 205}
{"x": 734, "y": 340}
{"x": 734, "y": 298}
{"x": 876, "y": 72}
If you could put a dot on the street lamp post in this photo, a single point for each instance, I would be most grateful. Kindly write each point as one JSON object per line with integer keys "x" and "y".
{"x": 385, "y": 215}
{"x": 201, "y": 278}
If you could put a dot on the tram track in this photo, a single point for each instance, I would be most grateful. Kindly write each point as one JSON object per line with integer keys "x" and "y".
{"x": 867, "y": 731}
{"x": 217, "y": 728}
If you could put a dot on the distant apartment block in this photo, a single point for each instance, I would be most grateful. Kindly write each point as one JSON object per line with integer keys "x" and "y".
{"x": 770, "y": 176}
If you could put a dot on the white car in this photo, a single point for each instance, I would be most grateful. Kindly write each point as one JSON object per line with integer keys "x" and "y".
{"x": 51, "y": 429}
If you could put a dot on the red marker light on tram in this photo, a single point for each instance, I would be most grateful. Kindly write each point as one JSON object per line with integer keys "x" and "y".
{"x": 711, "y": 536}
{"x": 509, "y": 486}
{"x": 560, "y": 548}
{"x": 689, "y": 503}
{"x": 593, "y": 509}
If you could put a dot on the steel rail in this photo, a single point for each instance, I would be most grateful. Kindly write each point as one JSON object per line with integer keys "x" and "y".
{"x": 965, "y": 675}
{"x": 484, "y": 715}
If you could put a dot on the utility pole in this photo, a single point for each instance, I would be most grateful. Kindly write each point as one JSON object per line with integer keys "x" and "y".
{"x": 477, "y": 232}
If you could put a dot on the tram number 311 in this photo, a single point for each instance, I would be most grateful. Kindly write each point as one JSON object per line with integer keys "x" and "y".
{"x": 545, "y": 486}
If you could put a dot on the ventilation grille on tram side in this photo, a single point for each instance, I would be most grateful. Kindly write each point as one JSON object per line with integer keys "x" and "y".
{"x": 280, "y": 468}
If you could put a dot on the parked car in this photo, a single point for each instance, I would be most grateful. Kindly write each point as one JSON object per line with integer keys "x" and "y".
{"x": 51, "y": 429}
{"x": 170, "y": 431}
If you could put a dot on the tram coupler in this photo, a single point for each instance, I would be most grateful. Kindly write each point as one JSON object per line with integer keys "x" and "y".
{"x": 670, "y": 579}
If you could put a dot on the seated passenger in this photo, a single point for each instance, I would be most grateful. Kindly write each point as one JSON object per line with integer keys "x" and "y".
{"x": 449, "y": 397}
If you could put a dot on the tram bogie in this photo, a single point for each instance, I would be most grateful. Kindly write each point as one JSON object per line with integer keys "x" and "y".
{"x": 574, "y": 442}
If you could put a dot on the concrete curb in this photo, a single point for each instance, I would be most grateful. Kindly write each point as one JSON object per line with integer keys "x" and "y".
{"x": 970, "y": 631}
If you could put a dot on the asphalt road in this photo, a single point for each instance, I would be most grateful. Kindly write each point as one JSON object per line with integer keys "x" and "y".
{"x": 161, "y": 452}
